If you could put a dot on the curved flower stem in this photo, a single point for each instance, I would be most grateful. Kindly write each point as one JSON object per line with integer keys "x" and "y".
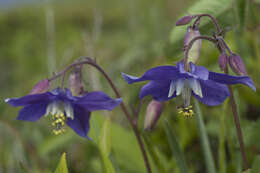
{"x": 132, "y": 122}
{"x": 225, "y": 44}
{"x": 214, "y": 20}
{"x": 238, "y": 128}
{"x": 187, "y": 49}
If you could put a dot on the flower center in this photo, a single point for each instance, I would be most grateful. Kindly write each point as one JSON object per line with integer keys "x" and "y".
{"x": 60, "y": 112}
{"x": 59, "y": 120}
{"x": 186, "y": 111}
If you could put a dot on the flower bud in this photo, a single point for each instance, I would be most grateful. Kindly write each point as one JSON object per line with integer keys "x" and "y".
{"x": 194, "y": 52}
{"x": 41, "y": 87}
{"x": 75, "y": 82}
{"x": 153, "y": 113}
{"x": 237, "y": 65}
{"x": 184, "y": 20}
{"x": 222, "y": 61}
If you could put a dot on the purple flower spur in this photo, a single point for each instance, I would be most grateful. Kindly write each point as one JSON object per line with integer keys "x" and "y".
{"x": 167, "y": 82}
{"x": 63, "y": 108}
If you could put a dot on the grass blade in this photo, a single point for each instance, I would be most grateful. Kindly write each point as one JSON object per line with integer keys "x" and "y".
{"x": 222, "y": 139}
{"x": 175, "y": 148}
{"x": 210, "y": 165}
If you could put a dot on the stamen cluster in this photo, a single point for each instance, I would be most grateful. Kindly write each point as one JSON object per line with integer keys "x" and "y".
{"x": 186, "y": 111}
{"x": 58, "y": 123}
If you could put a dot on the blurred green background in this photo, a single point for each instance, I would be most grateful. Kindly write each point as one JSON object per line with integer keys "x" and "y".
{"x": 39, "y": 39}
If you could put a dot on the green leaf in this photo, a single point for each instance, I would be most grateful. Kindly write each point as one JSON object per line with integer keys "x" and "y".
{"x": 104, "y": 144}
{"x": 213, "y": 7}
{"x": 62, "y": 166}
{"x": 175, "y": 148}
{"x": 105, "y": 138}
{"x": 210, "y": 165}
{"x": 256, "y": 165}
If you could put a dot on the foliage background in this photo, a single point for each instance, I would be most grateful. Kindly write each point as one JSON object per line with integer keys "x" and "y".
{"x": 38, "y": 39}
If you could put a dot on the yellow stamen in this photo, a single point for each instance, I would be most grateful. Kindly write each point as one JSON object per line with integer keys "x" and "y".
{"x": 59, "y": 120}
{"x": 187, "y": 111}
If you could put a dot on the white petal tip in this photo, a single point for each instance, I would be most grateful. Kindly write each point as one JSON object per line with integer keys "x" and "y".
{"x": 7, "y": 100}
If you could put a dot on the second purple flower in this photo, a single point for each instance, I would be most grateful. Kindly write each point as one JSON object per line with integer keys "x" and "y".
{"x": 167, "y": 82}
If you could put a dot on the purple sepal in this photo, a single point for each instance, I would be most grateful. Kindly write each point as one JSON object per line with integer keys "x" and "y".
{"x": 184, "y": 20}
{"x": 80, "y": 123}
{"x": 237, "y": 65}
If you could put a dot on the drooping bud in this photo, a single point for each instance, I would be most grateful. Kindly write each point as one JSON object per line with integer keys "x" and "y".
{"x": 41, "y": 87}
{"x": 222, "y": 61}
{"x": 194, "y": 52}
{"x": 153, "y": 113}
{"x": 75, "y": 82}
{"x": 184, "y": 20}
{"x": 237, "y": 65}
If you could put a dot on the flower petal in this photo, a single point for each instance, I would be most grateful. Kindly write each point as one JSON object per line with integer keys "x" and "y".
{"x": 213, "y": 93}
{"x": 200, "y": 71}
{"x": 157, "y": 73}
{"x": 172, "y": 89}
{"x": 194, "y": 84}
{"x": 179, "y": 86}
{"x": 98, "y": 101}
{"x": 197, "y": 72}
{"x": 228, "y": 79}
{"x": 29, "y": 99}
{"x": 158, "y": 89}
{"x": 80, "y": 123}
{"x": 32, "y": 112}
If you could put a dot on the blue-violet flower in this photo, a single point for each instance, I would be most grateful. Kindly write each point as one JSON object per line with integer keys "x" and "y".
{"x": 167, "y": 82}
{"x": 63, "y": 108}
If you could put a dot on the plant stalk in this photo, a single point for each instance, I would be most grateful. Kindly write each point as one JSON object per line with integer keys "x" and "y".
{"x": 237, "y": 124}
{"x": 213, "y": 19}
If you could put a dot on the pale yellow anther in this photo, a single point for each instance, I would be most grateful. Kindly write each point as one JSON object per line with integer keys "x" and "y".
{"x": 58, "y": 123}
{"x": 187, "y": 111}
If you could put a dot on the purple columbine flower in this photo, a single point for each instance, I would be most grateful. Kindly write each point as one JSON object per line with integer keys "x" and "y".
{"x": 167, "y": 82}
{"x": 63, "y": 108}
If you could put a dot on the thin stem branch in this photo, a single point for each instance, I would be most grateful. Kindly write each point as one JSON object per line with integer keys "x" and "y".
{"x": 225, "y": 45}
{"x": 127, "y": 114}
{"x": 237, "y": 124}
{"x": 214, "y": 20}
{"x": 187, "y": 49}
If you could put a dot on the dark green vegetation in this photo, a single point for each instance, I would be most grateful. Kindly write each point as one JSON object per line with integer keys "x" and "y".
{"x": 124, "y": 36}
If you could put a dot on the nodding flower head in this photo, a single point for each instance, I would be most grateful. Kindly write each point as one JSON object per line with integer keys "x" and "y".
{"x": 152, "y": 115}
{"x": 194, "y": 52}
{"x": 41, "y": 87}
{"x": 63, "y": 108}
{"x": 167, "y": 82}
{"x": 222, "y": 61}
{"x": 237, "y": 65}
{"x": 184, "y": 20}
